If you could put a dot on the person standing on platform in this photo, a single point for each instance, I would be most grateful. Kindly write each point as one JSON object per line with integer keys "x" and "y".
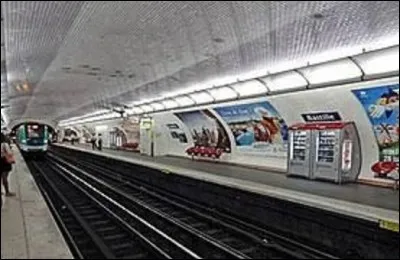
{"x": 7, "y": 160}
{"x": 93, "y": 141}
{"x": 100, "y": 143}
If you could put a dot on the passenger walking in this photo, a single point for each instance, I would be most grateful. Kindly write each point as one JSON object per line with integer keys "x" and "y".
{"x": 7, "y": 160}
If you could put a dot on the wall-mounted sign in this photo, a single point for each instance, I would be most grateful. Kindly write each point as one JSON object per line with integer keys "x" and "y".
{"x": 172, "y": 126}
{"x": 146, "y": 123}
{"x": 322, "y": 117}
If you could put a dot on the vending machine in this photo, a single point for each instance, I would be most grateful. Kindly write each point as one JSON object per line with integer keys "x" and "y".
{"x": 333, "y": 151}
{"x": 300, "y": 140}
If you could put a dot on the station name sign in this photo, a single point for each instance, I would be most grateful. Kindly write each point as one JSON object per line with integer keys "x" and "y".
{"x": 322, "y": 117}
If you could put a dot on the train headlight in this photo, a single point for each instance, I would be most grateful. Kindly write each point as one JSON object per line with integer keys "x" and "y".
{"x": 23, "y": 141}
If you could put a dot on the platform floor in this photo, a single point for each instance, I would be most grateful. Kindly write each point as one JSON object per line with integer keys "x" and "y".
{"x": 28, "y": 230}
{"x": 358, "y": 200}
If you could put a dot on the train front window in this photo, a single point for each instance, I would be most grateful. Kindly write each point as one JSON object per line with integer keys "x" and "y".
{"x": 35, "y": 131}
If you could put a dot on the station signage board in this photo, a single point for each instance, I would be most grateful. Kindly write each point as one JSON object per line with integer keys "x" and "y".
{"x": 322, "y": 117}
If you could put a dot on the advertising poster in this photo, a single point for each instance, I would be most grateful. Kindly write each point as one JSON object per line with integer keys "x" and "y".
{"x": 257, "y": 128}
{"x": 205, "y": 129}
{"x": 131, "y": 127}
{"x": 382, "y": 107}
{"x": 128, "y": 134}
{"x": 70, "y": 134}
{"x": 88, "y": 133}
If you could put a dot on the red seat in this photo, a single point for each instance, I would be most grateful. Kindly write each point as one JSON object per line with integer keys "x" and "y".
{"x": 130, "y": 145}
{"x": 204, "y": 151}
{"x": 384, "y": 168}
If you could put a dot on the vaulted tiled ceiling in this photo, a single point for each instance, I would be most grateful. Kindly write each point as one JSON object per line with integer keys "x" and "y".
{"x": 64, "y": 58}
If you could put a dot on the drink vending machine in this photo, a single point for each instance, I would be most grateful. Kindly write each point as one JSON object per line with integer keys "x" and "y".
{"x": 325, "y": 150}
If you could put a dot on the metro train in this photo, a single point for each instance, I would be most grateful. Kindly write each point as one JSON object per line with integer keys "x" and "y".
{"x": 32, "y": 138}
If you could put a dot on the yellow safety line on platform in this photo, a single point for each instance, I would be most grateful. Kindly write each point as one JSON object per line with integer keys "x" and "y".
{"x": 389, "y": 225}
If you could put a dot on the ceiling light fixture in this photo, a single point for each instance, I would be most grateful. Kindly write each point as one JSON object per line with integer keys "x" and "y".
{"x": 375, "y": 64}
{"x": 379, "y": 63}
{"x": 169, "y": 104}
{"x": 202, "y": 97}
{"x": 250, "y": 88}
{"x": 184, "y": 101}
{"x": 223, "y": 93}
{"x": 290, "y": 80}
{"x": 339, "y": 71}
{"x": 157, "y": 106}
{"x": 147, "y": 108}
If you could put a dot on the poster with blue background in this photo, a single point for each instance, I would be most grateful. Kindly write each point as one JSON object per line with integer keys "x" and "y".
{"x": 256, "y": 127}
{"x": 382, "y": 107}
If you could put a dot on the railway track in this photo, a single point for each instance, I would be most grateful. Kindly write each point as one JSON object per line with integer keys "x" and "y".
{"x": 95, "y": 227}
{"x": 207, "y": 232}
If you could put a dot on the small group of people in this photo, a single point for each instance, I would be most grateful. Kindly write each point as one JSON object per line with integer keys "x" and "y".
{"x": 97, "y": 142}
{"x": 7, "y": 160}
